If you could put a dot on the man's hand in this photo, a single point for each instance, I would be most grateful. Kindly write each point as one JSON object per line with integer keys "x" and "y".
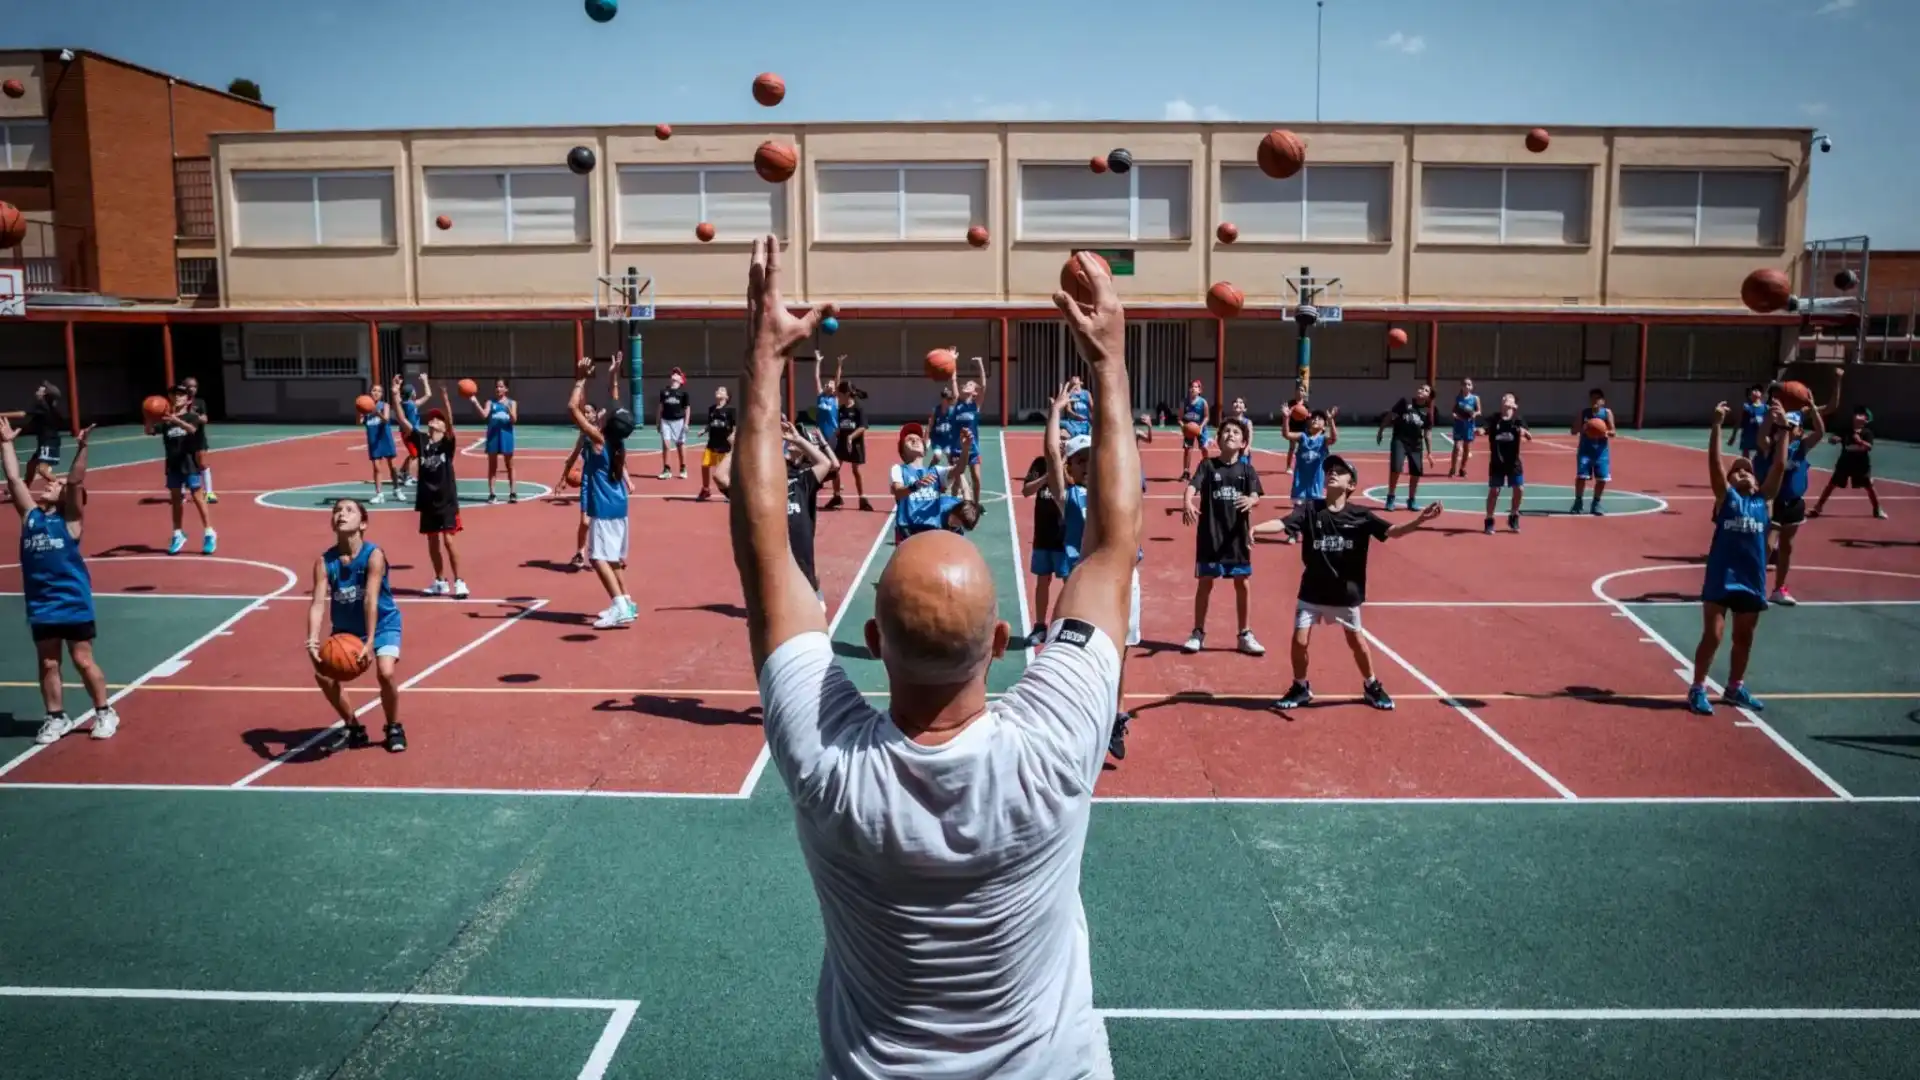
{"x": 583, "y": 369}
{"x": 7, "y": 434}
{"x": 1720, "y": 412}
{"x": 1101, "y": 327}
{"x": 773, "y": 329}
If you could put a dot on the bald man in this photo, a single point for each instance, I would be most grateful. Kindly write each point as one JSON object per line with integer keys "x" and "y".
{"x": 945, "y": 836}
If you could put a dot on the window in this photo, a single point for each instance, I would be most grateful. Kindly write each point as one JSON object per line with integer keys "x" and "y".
{"x": 1712, "y": 208}
{"x": 1072, "y": 202}
{"x": 1886, "y": 326}
{"x": 24, "y": 145}
{"x": 296, "y": 210}
{"x": 507, "y": 206}
{"x": 899, "y": 202}
{"x": 1334, "y": 203}
{"x": 664, "y": 203}
{"x": 1494, "y": 205}
{"x": 305, "y": 352}
{"x": 193, "y": 197}
{"x": 199, "y": 278}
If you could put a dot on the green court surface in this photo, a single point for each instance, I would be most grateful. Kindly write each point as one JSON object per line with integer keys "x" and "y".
{"x": 1541, "y": 500}
{"x": 126, "y": 444}
{"x": 313, "y": 932}
{"x": 1892, "y": 459}
{"x": 473, "y": 492}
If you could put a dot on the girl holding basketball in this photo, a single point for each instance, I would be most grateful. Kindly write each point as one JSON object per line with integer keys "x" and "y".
{"x": 44, "y": 421}
{"x": 1196, "y": 413}
{"x": 380, "y": 442}
{"x": 1466, "y": 418}
{"x": 350, "y": 588}
{"x": 1592, "y": 459}
{"x": 603, "y": 496}
{"x": 436, "y": 495}
{"x": 966, "y": 419}
{"x": 403, "y": 396}
{"x": 1736, "y": 578}
{"x": 501, "y": 414}
{"x": 177, "y": 429}
{"x": 58, "y": 590}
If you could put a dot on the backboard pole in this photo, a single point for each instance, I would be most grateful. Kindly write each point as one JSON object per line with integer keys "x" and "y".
{"x": 73, "y": 380}
{"x": 636, "y": 395}
{"x": 1303, "y": 351}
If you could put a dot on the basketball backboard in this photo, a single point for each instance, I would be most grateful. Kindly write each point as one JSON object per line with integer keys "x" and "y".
{"x": 623, "y": 297}
{"x": 13, "y": 293}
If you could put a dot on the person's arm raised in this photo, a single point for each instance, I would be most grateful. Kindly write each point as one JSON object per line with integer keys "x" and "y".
{"x": 1717, "y": 465}
{"x": 17, "y": 490}
{"x": 780, "y": 604}
{"x": 1097, "y": 592}
{"x": 577, "y": 406}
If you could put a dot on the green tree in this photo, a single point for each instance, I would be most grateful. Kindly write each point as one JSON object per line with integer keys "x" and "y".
{"x": 245, "y": 88}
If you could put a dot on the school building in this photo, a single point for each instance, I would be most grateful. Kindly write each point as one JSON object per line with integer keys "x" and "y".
{"x": 1613, "y": 258}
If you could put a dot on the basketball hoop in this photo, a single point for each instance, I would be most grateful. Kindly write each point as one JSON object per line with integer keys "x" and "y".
{"x": 13, "y": 293}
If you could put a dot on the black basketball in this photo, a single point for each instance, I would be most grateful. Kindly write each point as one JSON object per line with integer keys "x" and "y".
{"x": 580, "y": 160}
{"x": 1846, "y": 281}
{"x": 1120, "y": 161}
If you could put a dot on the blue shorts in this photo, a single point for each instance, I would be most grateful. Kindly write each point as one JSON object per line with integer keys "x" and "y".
{"x": 1497, "y": 480}
{"x": 1206, "y": 437}
{"x": 1592, "y": 465}
{"x": 500, "y": 441}
{"x": 188, "y": 480}
{"x": 1749, "y": 441}
{"x": 380, "y": 450}
{"x": 1048, "y": 564}
{"x": 1463, "y": 431}
{"x": 385, "y": 642}
{"x": 1315, "y": 490}
{"x": 1222, "y": 570}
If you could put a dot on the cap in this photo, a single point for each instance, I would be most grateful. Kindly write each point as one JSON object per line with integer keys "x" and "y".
{"x": 676, "y": 372}
{"x": 1079, "y": 444}
{"x": 910, "y": 429}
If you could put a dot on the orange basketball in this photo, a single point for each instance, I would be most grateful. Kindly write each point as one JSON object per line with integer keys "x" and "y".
{"x": 468, "y": 388}
{"x": 1225, "y": 299}
{"x": 663, "y": 132}
{"x": 1596, "y": 428}
{"x": 443, "y": 222}
{"x": 13, "y": 225}
{"x": 703, "y": 232}
{"x": 1300, "y": 413}
{"x": 1281, "y": 154}
{"x": 769, "y": 89}
{"x": 1098, "y": 164}
{"x": 977, "y": 236}
{"x": 155, "y": 407}
{"x": 14, "y": 88}
{"x": 1766, "y": 290}
{"x": 364, "y": 405}
{"x": 340, "y": 658}
{"x": 1397, "y": 338}
{"x": 775, "y": 162}
{"x": 1537, "y": 140}
{"x": 1073, "y": 280}
{"x": 1191, "y": 430}
{"x": 1794, "y": 396}
{"x": 1227, "y": 232}
{"x": 941, "y": 364}
{"x": 573, "y": 475}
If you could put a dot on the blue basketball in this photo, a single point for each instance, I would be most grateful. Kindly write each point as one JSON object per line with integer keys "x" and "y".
{"x": 602, "y": 10}
{"x": 829, "y": 325}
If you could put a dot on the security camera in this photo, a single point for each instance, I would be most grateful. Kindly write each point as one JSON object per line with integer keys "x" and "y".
{"x": 66, "y": 56}
{"x": 1824, "y": 142}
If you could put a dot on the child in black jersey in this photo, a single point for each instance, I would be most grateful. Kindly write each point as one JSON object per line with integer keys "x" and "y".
{"x": 1854, "y": 468}
{"x": 1220, "y": 500}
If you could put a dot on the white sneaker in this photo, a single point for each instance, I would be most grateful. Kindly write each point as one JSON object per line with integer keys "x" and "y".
{"x": 665, "y": 474}
{"x": 438, "y": 588}
{"x": 1783, "y": 598}
{"x": 105, "y": 723}
{"x": 629, "y": 611}
{"x": 609, "y": 618}
{"x": 53, "y": 728}
{"x": 459, "y": 589}
{"x": 1194, "y": 642}
{"x": 377, "y": 498}
{"x": 683, "y": 474}
{"x": 1251, "y": 645}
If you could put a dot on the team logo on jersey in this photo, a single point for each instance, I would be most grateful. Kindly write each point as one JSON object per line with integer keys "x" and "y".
{"x": 347, "y": 593}
{"x": 41, "y": 543}
{"x": 1332, "y": 542}
{"x": 1072, "y": 632}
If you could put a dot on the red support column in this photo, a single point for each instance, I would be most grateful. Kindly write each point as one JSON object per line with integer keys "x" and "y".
{"x": 73, "y": 382}
{"x": 579, "y": 338}
{"x": 373, "y": 351}
{"x": 1219, "y": 371}
{"x": 1640, "y": 383}
{"x": 166, "y": 351}
{"x": 1433, "y": 356}
{"x": 1006, "y": 354}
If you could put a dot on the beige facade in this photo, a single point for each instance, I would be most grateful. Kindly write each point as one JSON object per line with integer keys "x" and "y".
{"x": 1416, "y": 216}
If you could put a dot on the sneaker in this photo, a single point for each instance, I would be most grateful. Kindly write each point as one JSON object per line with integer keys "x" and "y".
{"x": 1596, "y": 511}
{"x": 1297, "y": 695}
{"x": 1782, "y": 597}
{"x": 1487, "y": 527}
{"x": 377, "y": 498}
{"x": 348, "y": 736}
{"x": 1697, "y": 701}
{"x": 1579, "y": 506}
{"x": 209, "y": 543}
{"x": 1117, "y": 742}
{"x": 866, "y": 506}
{"x": 1377, "y": 696}
{"x": 665, "y": 474}
{"x": 1881, "y": 514}
{"x": 1184, "y": 476}
{"x": 53, "y": 728}
{"x": 1410, "y": 507}
{"x": 609, "y": 618}
{"x": 513, "y": 496}
{"x": 396, "y": 739}
{"x": 704, "y": 496}
{"x": 438, "y": 588}
{"x": 683, "y": 474}
{"x": 212, "y": 499}
{"x": 179, "y": 542}
{"x": 1389, "y": 503}
{"x": 105, "y": 723}
{"x": 579, "y": 561}
{"x": 1194, "y": 642}
{"x": 492, "y": 499}
{"x": 834, "y": 503}
{"x": 1741, "y": 698}
{"x": 1513, "y": 522}
{"x": 459, "y": 589}
{"x": 1251, "y": 645}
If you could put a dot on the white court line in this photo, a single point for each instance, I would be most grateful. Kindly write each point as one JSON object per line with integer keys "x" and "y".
{"x": 621, "y": 1011}
{"x": 447, "y": 600}
{"x": 374, "y": 703}
{"x": 91, "y": 468}
{"x": 508, "y": 601}
{"x": 1019, "y": 564}
{"x": 1523, "y": 1015}
{"x": 833, "y": 625}
{"x": 477, "y": 503}
{"x": 174, "y": 663}
{"x": 1485, "y": 728}
{"x": 1686, "y": 665}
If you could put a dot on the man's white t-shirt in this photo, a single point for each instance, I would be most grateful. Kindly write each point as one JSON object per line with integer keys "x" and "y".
{"x": 949, "y": 876}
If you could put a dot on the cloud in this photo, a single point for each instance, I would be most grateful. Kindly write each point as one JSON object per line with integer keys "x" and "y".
{"x": 1183, "y": 110}
{"x": 1834, "y": 7}
{"x": 1414, "y": 44}
{"x": 1813, "y": 108}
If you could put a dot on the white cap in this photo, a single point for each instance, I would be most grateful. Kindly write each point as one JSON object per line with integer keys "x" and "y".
{"x": 1079, "y": 444}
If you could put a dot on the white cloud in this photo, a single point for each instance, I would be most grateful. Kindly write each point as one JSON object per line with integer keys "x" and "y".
{"x": 1813, "y": 108}
{"x": 1833, "y": 7}
{"x": 1414, "y": 44}
{"x": 1181, "y": 109}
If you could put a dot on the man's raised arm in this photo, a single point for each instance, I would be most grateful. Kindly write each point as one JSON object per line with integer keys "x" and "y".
{"x": 780, "y": 603}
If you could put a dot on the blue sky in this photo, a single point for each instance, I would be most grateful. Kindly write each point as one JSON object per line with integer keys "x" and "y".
{"x": 1844, "y": 66}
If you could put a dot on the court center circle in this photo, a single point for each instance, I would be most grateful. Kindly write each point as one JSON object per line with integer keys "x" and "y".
{"x": 1540, "y": 500}
{"x": 473, "y": 494}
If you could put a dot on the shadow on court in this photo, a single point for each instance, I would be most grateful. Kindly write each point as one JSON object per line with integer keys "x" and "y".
{"x": 270, "y": 743}
{"x": 690, "y": 710}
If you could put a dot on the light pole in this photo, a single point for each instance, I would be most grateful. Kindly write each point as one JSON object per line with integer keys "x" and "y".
{"x": 1319, "y": 28}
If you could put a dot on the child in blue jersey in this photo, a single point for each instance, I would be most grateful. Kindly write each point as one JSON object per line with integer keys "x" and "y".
{"x": 1310, "y": 450}
{"x": 404, "y": 394}
{"x": 1195, "y": 411}
{"x": 351, "y": 594}
{"x": 1790, "y": 505}
{"x": 57, "y": 588}
{"x": 826, "y": 397}
{"x": 603, "y": 496}
{"x": 1591, "y": 458}
{"x": 1753, "y": 418}
{"x": 1736, "y": 578}
{"x": 943, "y": 434}
{"x": 1466, "y": 416}
{"x": 379, "y": 425}
{"x": 966, "y": 417}
{"x": 926, "y": 498}
{"x": 1077, "y": 417}
{"x": 178, "y": 430}
{"x": 501, "y": 414}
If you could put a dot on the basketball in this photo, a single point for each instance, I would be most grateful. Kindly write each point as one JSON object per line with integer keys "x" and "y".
{"x": 1191, "y": 430}
{"x": 573, "y": 475}
{"x": 941, "y": 364}
{"x": 1766, "y": 290}
{"x": 829, "y": 325}
{"x": 580, "y": 160}
{"x": 468, "y": 388}
{"x": 364, "y": 405}
{"x": 443, "y": 223}
{"x": 1098, "y": 164}
{"x": 1073, "y": 280}
{"x": 1227, "y": 232}
{"x": 1281, "y": 154}
{"x": 155, "y": 407}
{"x": 663, "y": 132}
{"x": 775, "y": 162}
{"x": 1396, "y": 338}
{"x": 1596, "y": 428}
{"x": 1120, "y": 161}
{"x": 602, "y": 10}
{"x": 339, "y": 658}
{"x": 14, "y": 89}
{"x": 1537, "y": 140}
{"x": 703, "y": 232}
{"x": 1846, "y": 281}
{"x": 769, "y": 89}
{"x": 1794, "y": 396}
{"x": 13, "y": 225}
{"x": 1225, "y": 299}
{"x": 1300, "y": 414}
{"x": 977, "y": 236}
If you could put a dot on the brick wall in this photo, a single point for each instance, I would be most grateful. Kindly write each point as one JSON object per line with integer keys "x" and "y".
{"x": 199, "y": 113}
{"x": 72, "y": 175}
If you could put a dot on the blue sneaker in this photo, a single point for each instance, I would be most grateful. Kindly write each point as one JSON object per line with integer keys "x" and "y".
{"x": 1389, "y": 505}
{"x": 1697, "y": 701}
{"x": 1578, "y": 506}
{"x": 1488, "y": 528}
{"x": 1597, "y": 512}
{"x": 1740, "y": 698}
{"x": 178, "y": 542}
{"x": 207, "y": 543}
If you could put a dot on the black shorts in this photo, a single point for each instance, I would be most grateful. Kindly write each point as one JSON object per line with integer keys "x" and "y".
{"x": 1853, "y": 472}
{"x": 71, "y": 631}
{"x": 1411, "y": 460}
{"x": 1740, "y": 603}
{"x": 439, "y": 519}
{"x": 851, "y": 451}
{"x": 47, "y": 453}
{"x": 1789, "y": 510}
